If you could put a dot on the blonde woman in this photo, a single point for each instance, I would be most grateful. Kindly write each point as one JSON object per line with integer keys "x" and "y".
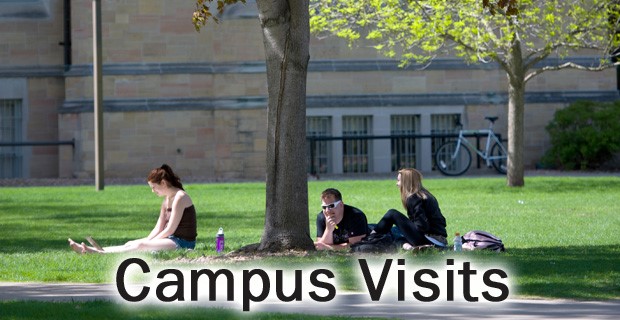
{"x": 424, "y": 224}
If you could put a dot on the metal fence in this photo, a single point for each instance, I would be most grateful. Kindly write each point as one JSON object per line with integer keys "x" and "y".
{"x": 11, "y": 158}
{"x": 316, "y": 160}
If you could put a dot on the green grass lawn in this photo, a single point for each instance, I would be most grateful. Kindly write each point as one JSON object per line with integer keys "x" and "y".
{"x": 561, "y": 233}
{"x": 95, "y": 310}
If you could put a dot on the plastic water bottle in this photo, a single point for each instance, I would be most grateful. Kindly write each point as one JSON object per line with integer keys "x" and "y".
{"x": 219, "y": 241}
{"x": 458, "y": 242}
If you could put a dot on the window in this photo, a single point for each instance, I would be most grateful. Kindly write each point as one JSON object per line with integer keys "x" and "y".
{"x": 318, "y": 150}
{"x": 10, "y": 131}
{"x": 356, "y": 152}
{"x": 443, "y": 124}
{"x": 24, "y": 9}
{"x": 404, "y": 149}
{"x": 247, "y": 10}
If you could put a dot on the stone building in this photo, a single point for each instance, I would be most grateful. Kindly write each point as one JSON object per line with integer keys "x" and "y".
{"x": 197, "y": 100}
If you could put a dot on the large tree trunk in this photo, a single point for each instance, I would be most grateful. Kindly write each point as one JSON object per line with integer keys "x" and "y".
{"x": 516, "y": 110}
{"x": 286, "y": 36}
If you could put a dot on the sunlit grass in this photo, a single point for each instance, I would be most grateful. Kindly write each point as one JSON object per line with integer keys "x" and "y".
{"x": 561, "y": 233}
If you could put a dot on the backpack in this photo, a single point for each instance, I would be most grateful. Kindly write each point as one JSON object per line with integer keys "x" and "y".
{"x": 482, "y": 240}
{"x": 375, "y": 243}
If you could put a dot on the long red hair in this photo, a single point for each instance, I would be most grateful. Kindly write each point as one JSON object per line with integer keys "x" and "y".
{"x": 162, "y": 173}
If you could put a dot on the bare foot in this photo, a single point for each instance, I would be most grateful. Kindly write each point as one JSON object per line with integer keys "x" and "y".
{"x": 76, "y": 247}
{"x": 88, "y": 249}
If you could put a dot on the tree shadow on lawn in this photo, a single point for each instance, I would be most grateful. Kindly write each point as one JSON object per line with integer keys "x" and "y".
{"x": 38, "y": 245}
{"x": 579, "y": 272}
{"x": 46, "y": 227}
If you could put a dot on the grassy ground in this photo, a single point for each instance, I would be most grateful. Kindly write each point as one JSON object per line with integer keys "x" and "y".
{"x": 96, "y": 310}
{"x": 561, "y": 233}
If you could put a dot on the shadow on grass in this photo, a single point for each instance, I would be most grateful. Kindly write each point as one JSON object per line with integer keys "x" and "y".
{"x": 109, "y": 310}
{"x": 579, "y": 272}
{"x": 568, "y": 272}
{"x": 37, "y": 245}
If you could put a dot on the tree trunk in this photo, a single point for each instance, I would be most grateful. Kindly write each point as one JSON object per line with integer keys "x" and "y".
{"x": 286, "y": 36}
{"x": 516, "y": 110}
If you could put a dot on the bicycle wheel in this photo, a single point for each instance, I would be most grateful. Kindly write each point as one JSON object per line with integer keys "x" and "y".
{"x": 450, "y": 164}
{"x": 499, "y": 159}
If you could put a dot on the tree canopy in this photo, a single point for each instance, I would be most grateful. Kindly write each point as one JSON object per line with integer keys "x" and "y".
{"x": 203, "y": 13}
{"x": 476, "y": 30}
{"x": 519, "y": 35}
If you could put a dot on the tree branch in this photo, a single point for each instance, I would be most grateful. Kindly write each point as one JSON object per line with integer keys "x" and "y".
{"x": 569, "y": 65}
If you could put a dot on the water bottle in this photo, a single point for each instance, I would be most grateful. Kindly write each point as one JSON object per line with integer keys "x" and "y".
{"x": 458, "y": 242}
{"x": 219, "y": 241}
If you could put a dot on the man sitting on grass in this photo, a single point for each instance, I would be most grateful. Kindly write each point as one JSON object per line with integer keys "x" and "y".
{"x": 339, "y": 225}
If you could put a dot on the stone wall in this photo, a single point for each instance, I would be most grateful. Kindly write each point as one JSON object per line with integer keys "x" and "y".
{"x": 197, "y": 100}
{"x": 215, "y": 144}
{"x": 29, "y": 37}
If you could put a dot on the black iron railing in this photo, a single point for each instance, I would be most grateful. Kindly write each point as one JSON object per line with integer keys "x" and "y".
{"x": 38, "y": 143}
{"x": 313, "y": 141}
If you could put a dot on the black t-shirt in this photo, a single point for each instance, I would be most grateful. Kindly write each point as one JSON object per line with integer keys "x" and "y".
{"x": 353, "y": 224}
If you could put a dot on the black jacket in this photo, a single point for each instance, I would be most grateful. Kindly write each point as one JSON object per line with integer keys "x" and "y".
{"x": 426, "y": 215}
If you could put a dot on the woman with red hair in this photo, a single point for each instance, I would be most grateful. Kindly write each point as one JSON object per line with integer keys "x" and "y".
{"x": 175, "y": 228}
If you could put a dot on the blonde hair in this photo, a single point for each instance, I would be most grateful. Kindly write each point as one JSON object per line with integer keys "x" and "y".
{"x": 410, "y": 184}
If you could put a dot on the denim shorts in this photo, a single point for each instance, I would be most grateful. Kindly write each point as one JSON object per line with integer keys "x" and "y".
{"x": 182, "y": 243}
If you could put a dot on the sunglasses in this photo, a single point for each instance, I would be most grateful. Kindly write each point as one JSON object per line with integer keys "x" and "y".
{"x": 331, "y": 205}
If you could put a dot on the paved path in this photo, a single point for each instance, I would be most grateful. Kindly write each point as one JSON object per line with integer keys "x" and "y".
{"x": 352, "y": 304}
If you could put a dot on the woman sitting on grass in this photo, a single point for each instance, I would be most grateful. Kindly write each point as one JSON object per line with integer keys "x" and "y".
{"x": 175, "y": 228}
{"x": 424, "y": 223}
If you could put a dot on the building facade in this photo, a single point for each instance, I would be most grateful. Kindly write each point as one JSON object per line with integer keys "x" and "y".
{"x": 197, "y": 100}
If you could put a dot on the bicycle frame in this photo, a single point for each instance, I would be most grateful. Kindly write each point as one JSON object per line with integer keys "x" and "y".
{"x": 484, "y": 154}
{"x": 451, "y": 160}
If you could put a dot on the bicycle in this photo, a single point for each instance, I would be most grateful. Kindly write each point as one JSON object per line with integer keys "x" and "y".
{"x": 453, "y": 158}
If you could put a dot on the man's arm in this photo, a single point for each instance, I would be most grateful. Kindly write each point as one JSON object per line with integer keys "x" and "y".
{"x": 353, "y": 240}
{"x": 327, "y": 240}
{"x": 341, "y": 246}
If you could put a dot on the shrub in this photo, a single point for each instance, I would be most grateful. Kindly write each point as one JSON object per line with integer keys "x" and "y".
{"x": 584, "y": 135}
